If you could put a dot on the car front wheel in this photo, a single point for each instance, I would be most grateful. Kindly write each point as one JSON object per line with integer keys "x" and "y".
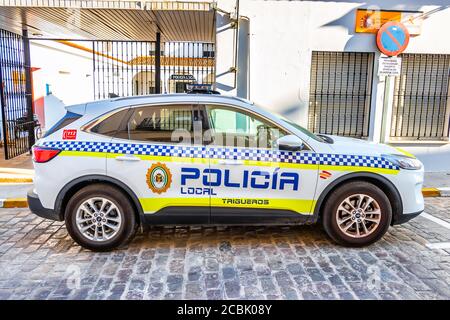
{"x": 100, "y": 217}
{"x": 357, "y": 214}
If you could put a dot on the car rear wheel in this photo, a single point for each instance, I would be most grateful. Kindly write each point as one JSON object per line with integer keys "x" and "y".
{"x": 357, "y": 214}
{"x": 100, "y": 217}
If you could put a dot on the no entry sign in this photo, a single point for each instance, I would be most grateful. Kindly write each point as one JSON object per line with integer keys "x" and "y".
{"x": 392, "y": 38}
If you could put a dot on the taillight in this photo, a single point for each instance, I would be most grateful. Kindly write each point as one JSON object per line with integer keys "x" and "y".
{"x": 41, "y": 154}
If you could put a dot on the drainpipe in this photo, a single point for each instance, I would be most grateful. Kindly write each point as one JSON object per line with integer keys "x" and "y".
{"x": 243, "y": 59}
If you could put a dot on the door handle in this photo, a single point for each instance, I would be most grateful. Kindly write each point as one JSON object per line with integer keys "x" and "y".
{"x": 231, "y": 162}
{"x": 128, "y": 158}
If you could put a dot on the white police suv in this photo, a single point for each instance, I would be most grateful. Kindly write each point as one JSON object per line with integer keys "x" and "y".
{"x": 110, "y": 166}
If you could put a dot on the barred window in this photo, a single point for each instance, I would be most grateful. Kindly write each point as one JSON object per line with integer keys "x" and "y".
{"x": 340, "y": 93}
{"x": 421, "y": 98}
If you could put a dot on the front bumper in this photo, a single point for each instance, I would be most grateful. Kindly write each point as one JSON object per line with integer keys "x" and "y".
{"x": 405, "y": 217}
{"x": 35, "y": 205}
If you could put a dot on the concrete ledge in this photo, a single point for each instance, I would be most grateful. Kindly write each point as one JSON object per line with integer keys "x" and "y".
{"x": 15, "y": 180}
{"x": 445, "y": 192}
{"x": 436, "y": 192}
{"x": 14, "y": 175}
{"x": 14, "y": 203}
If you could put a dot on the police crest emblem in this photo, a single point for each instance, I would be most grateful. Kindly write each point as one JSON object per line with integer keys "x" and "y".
{"x": 159, "y": 178}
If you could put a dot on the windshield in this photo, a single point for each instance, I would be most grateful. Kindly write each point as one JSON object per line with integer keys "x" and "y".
{"x": 296, "y": 126}
{"x": 303, "y": 130}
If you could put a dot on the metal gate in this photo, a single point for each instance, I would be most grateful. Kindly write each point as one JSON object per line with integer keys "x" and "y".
{"x": 125, "y": 68}
{"x": 15, "y": 94}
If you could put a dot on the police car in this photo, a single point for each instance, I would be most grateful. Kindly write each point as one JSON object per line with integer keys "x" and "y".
{"x": 108, "y": 167}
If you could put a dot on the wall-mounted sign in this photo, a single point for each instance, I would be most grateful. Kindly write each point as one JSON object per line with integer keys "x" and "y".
{"x": 370, "y": 21}
{"x": 392, "y": 38}
{"x": 389, "y": 66}
{"x": 182, "y": 77}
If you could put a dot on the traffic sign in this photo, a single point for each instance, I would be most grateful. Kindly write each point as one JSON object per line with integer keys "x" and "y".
{"x": 389, "y": 66}
{"x": 392, "y": 38}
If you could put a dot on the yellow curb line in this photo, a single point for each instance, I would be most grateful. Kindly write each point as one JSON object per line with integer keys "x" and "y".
{"x": 16, "y": 180}
{"x": 431, "y": 192}
{"x": 15, "y": 203}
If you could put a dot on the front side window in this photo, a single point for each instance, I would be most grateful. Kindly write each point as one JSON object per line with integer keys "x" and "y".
{"x": 235, "y": 128}
{"x": 167, "y": 124}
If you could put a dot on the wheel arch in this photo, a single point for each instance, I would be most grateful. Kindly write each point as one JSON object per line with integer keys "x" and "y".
{"x": 381, "y": 182}
{"x": 73, "y": 186}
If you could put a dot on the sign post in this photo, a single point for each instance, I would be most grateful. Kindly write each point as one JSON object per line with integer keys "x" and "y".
{"x": 392, "y": 39}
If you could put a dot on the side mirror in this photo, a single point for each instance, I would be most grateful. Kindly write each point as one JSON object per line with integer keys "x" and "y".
{"x": 290, "y": 143}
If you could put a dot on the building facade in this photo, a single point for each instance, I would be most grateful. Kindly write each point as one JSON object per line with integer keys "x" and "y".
{"x": 315, "y": 62}
{"x": 305, "y": 60}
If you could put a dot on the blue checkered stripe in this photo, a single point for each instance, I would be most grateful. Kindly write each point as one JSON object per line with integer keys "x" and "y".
{"x": 265, "y": 155}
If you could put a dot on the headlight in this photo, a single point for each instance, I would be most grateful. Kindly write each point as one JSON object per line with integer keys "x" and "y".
{"x": 403, "y": 162}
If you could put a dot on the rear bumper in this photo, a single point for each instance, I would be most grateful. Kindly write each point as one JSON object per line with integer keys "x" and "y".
{"x": 403, "y": 218}
{"x": 35, "y": 205}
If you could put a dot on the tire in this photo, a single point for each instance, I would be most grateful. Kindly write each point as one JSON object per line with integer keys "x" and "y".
{"x": 376, "y": 224}
{"x": 118, "y": 226}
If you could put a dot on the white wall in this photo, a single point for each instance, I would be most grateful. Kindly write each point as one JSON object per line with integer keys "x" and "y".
{"x": 282, "y": 35}
{"x": 67, "y": 70}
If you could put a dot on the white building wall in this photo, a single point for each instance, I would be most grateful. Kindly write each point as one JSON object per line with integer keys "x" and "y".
{"x": 282, "y": 35}
{"x": 67, "y": 71}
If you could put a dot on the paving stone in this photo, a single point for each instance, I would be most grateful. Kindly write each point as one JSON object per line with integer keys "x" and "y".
{"x": 40, "y": 261}
{"x": 233, "y": 289}
{"x": 214, "y": 295}
{"x": 194, "y": 291}
{"x": 174, "y": 282}
{"x": 228, "y": 273}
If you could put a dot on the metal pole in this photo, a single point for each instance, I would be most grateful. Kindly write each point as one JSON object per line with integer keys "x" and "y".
{"x": 387, "y": 102}
{"x": 158, "y": 63}
{"x": 28, "y": 88}
{"x": 3, "y": 105}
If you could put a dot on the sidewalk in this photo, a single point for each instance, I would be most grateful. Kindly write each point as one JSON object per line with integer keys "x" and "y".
{"x": 436, "y": 184}
{"x": 16, "y": 178}
{"x": 437, "y": 180}
{"x": 20, "y": 162}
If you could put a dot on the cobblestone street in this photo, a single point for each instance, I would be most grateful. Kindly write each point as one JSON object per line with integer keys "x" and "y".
{"x": 38, "y": 260}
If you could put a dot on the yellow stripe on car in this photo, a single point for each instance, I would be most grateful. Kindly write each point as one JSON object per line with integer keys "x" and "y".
{"x": 302, "y": 206}
{"x": 406, "y": 153}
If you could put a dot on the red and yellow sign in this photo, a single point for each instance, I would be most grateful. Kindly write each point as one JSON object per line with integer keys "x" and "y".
{"x": 370, "y": 21}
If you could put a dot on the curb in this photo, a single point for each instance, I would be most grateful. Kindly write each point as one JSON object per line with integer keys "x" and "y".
{"x": 436, "y": 192}
{"x": 16, "y": 180}
{"x": 14, "y": 203}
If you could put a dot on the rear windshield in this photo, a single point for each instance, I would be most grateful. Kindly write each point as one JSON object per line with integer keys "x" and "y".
{"x": 63, "y": 122}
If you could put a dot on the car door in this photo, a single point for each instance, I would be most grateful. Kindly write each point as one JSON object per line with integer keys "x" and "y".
{"x": 153, "y": 151}
{"x": 251, "y": 180}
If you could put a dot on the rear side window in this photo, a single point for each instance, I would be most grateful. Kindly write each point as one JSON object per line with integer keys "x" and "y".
{"x": 111, "y": 124}
{"x": 167, "y": 124}
{"x": 63, "y": 122}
